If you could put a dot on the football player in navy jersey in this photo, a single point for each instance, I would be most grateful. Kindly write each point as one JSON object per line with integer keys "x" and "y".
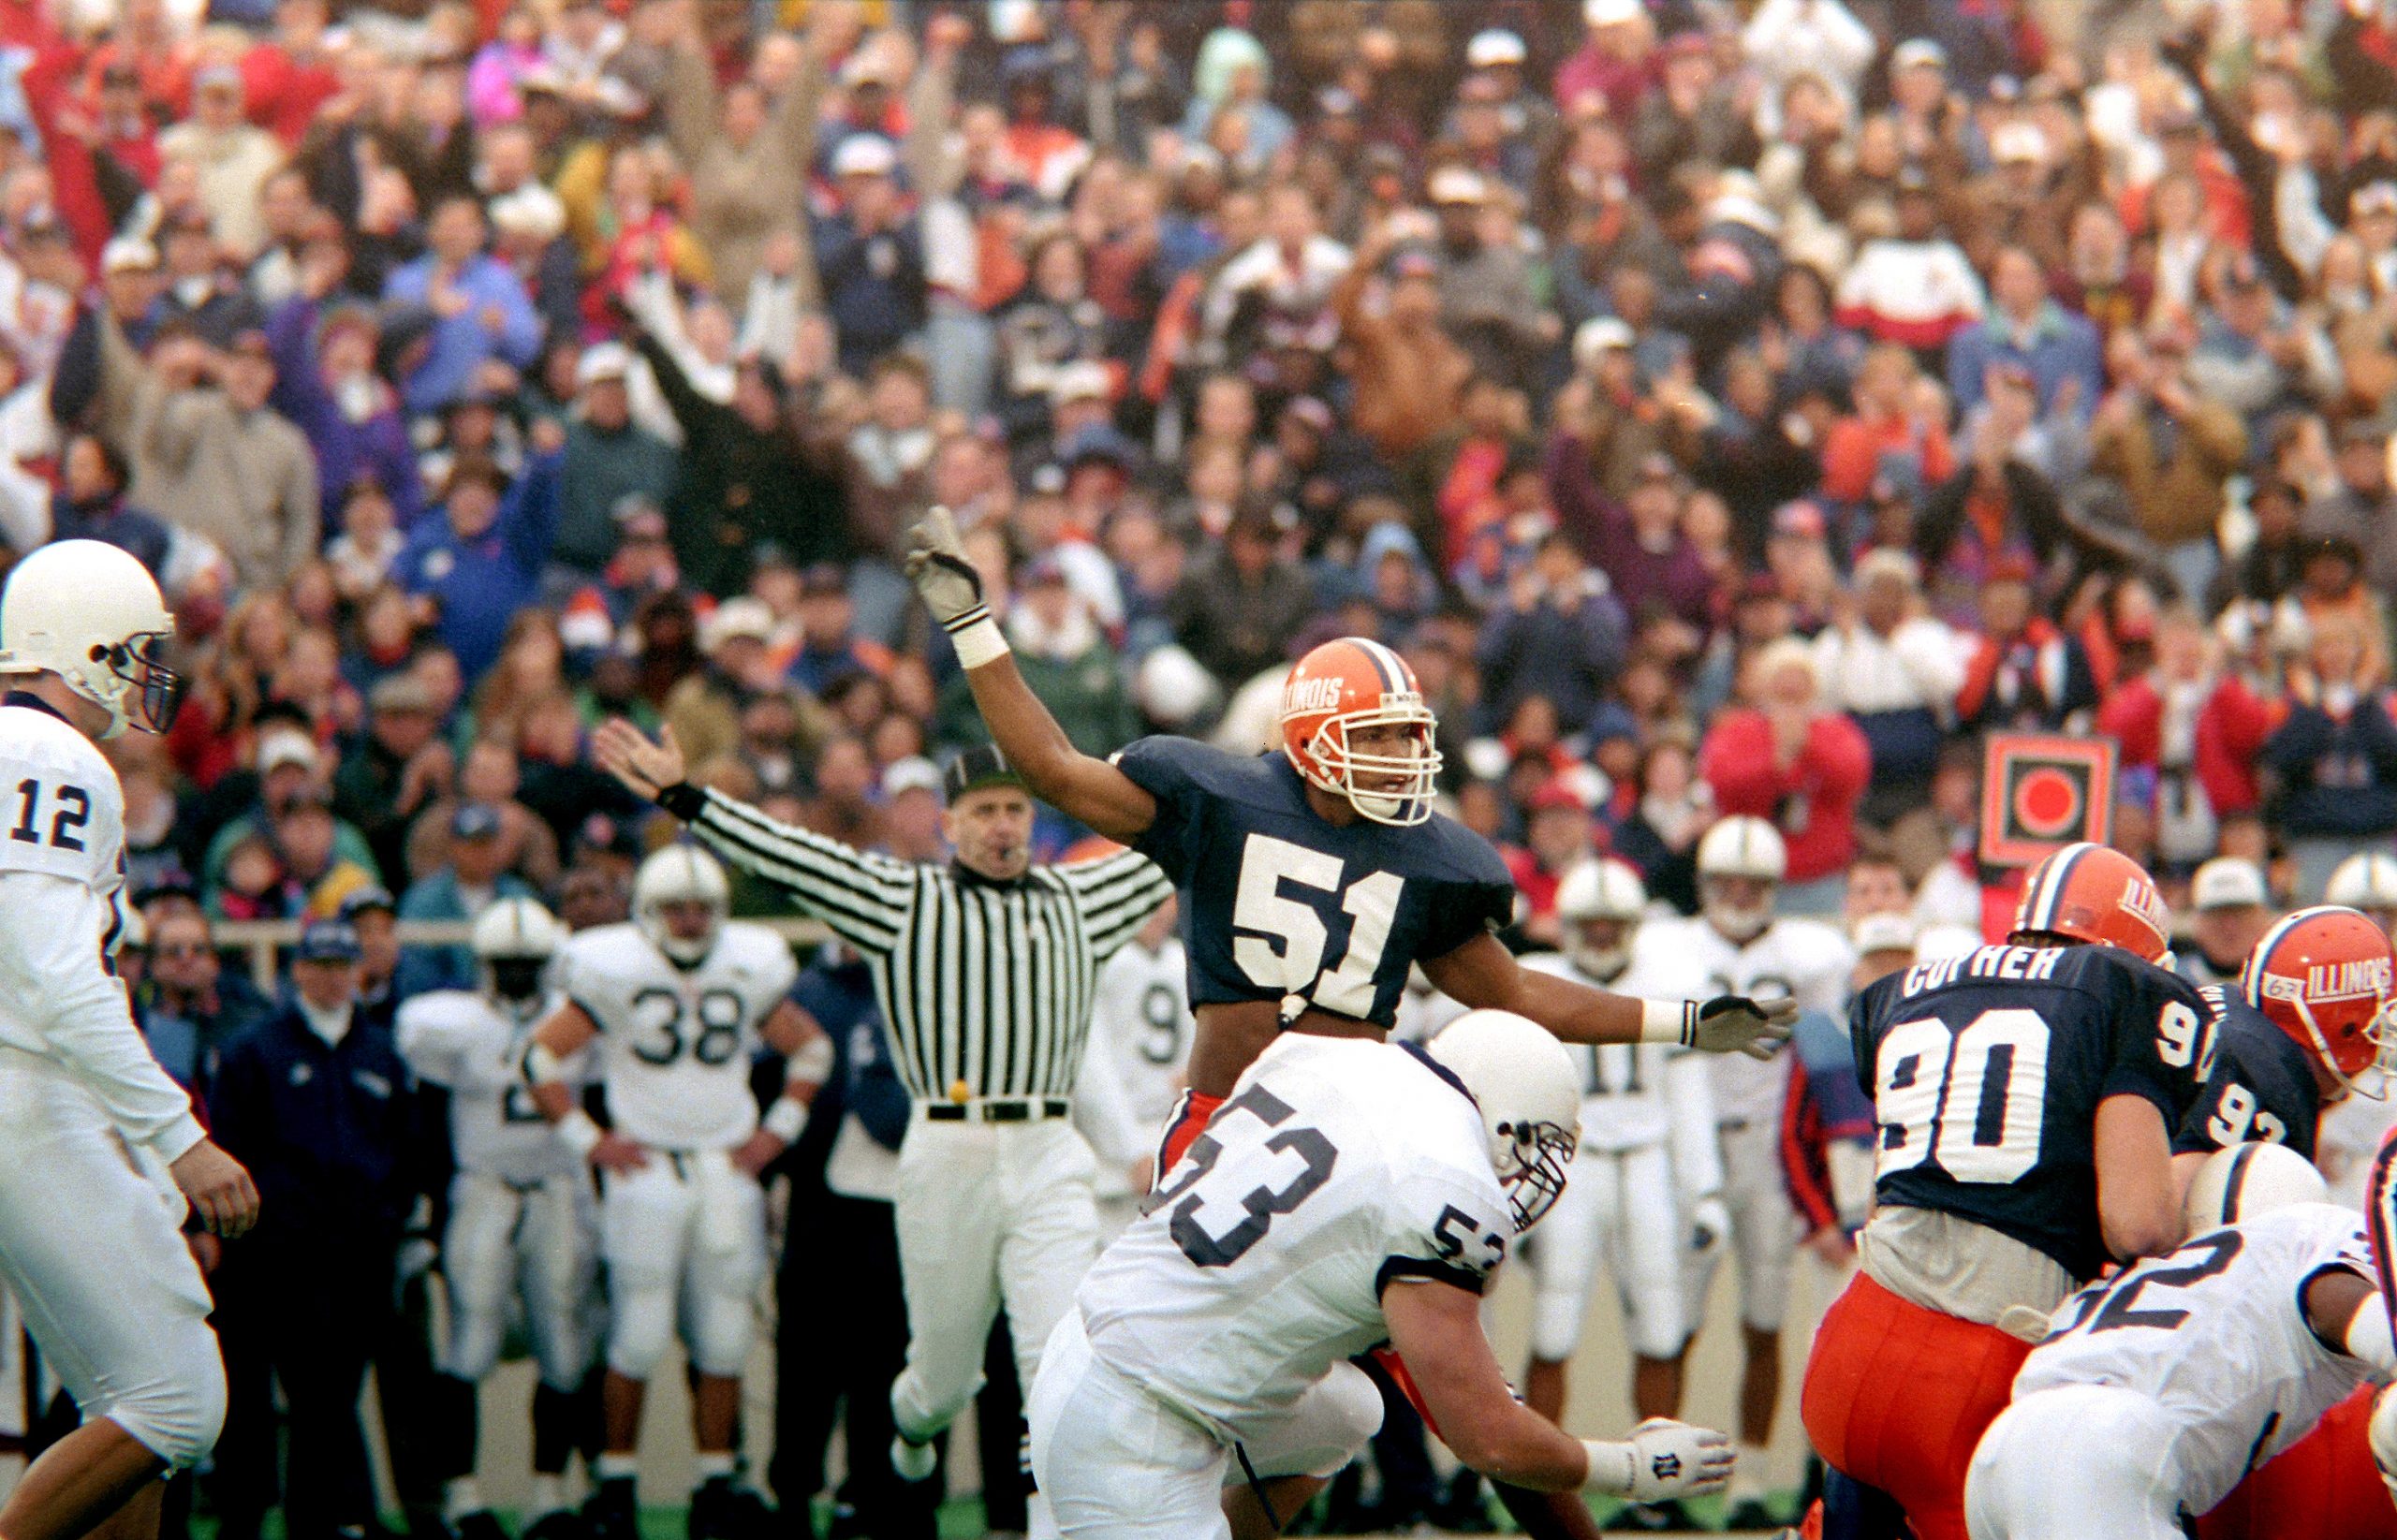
{"x": 2303, "y": 1029}
{"x": 1311, "y": 880}
{"x": 2024, "y": 1094}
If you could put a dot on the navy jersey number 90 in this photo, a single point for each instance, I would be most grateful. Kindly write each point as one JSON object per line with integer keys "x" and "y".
{"x": 1277, "y": 901}
{"x": 1986, "y": 1071}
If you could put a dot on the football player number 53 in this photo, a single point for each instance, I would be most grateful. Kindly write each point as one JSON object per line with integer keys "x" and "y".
{"x": 1289, "y": 938}
{"x": 1300, "y": 1159}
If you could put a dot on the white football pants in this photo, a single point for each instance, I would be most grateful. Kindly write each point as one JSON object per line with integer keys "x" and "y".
{"x": 1618, "y": 1207}
{"x": 989, "y": 1216}
{"x": 686, "y": 1241}
{"x": 1113, "y": 1460}
{"x": 2074, "y": 1462}
{"x": 537, "y": 1246}
{"x": 1764, "y": 1230}
{"x": 92, "y": 1249}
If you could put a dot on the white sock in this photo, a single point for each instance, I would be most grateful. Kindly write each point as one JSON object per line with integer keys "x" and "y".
{"x": 1752, "y": 1476}
{"x": 545, "y": 1496}
{"x": 460, "y": 1498}
{"x": 717, "y": 1466}
{"x": 615, "y": 1467}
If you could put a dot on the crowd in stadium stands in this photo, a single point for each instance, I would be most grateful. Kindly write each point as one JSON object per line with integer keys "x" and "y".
{"x": 1725, "y": 407}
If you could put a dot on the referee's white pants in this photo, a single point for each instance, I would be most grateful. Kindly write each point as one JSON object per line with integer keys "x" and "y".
{"x": 2077, "y": 1461}
{"x": 1112, "y": 1459}
{"x": 1618, "y": 1206}
{"x": 989, "y": 1215}
{"x": 94, "y": 1252}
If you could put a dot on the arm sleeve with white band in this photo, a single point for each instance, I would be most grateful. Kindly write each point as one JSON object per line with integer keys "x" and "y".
{"x": 62, "y": 1003}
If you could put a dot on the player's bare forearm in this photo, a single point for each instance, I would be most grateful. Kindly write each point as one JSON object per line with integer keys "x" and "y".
{"x": 1061, "y": 775}
{"x": 1437, "y": 1329}
{"x": 1483, "y": 975}
{"x": 552, "y": 1099}
{"x": 2139, "y": 1212}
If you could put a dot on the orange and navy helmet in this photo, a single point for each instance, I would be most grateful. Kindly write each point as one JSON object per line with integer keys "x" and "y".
{"x": 1345, "y": 686}
{"x": 2089, "y": 892}
{"x": 2323, "y": 976}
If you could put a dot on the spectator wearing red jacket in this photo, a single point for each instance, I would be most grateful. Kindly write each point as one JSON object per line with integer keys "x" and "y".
{"x": 2197, "y": 728}
{"x": 1787, "y": 759}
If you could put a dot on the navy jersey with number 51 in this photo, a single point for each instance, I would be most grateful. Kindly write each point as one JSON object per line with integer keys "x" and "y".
{"x": 1986, "y": 1069}
{"x": 1277, "y": 901}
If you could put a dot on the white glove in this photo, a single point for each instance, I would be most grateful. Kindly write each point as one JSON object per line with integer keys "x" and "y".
{"x": 1710, "y": 1226}
{"x": 1664, "y": 1459}
{"x": 1733, "y": 1023}
{"x": 2383, "y": 1434}
{"x": 936, "y": 563}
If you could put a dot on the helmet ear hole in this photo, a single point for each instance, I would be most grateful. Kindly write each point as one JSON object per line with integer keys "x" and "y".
{"x": 99, "y": 654}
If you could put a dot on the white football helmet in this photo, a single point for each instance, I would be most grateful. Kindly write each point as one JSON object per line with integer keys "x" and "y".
{"x": 514, "y": 940}
{"x": 1595, "y": 890}
{"x": 2367, "y": 882}
{"x": 2248, "y": 1180}
{"x": 1740, "y": 846}
{"x": 681, "y": 874}
{"x": 1530, "y": 1098}
{"x": 88, "y": 612}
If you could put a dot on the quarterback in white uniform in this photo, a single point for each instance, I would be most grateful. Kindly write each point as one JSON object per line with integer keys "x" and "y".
{"x": 522, "y": 1239}
{"x": 679, "y": 1001}
{"x": 89, "y": 1241}
{"x": 2163, "y": 1385}
{"x": 1647, "y": 1133}
{"x": 1134, "y": 1068}
{"x": 1348, "y": 1193}
{"x": 1736, "y": 942}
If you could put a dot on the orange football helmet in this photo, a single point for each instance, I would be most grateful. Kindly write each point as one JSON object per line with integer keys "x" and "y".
{"x": 2098, "y": 895}
{"x": 1340, "y": 687}
{"x": 2323, "y": 975}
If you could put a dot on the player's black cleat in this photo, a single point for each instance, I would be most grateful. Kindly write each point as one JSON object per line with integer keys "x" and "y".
{"x": 723, "y": 1509}
{"x": 481, "y": 1524}
{"x": 612, "y": 1513}
{"x": 1751, "y": 1514}
{"x": 558, "y": 1524}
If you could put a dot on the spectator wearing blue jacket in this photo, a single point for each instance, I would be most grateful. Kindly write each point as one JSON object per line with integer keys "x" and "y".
{"x": 475, "y": 876}
{"x": 1562, "y": 635}
{"x": 480, "y": 311}
{"x": 480, "y": 554}
{"x": 2026, "y": 328}
{"x": 869, "y": 257}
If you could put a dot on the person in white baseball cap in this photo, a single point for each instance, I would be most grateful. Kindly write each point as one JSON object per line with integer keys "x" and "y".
{"x": 2232, "y": 909}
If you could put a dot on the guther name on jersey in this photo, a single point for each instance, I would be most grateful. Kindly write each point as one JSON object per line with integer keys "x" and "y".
{"x": 2033, "y": 963}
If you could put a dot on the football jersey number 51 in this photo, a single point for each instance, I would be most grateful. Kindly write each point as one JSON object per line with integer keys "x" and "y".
{"x": 1290, "y": 946}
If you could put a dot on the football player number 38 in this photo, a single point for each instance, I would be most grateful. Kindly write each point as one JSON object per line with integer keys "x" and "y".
{"x": 1289, "y": 938}
{"x": 665, "y": 1031}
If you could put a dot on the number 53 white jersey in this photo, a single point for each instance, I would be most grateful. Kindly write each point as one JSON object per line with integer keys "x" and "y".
{"x": 2216, "y": 1334}
{"x": 678, "y": 1041}
{"x": 1338, "y": 1166}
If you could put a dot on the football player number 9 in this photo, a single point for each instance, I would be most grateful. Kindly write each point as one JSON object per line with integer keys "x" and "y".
{"x": 1290, "y": 941}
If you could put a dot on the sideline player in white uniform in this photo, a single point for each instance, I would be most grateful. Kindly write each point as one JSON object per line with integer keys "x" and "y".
{"x": 522, "y": 1237}
{"x": 1349, "y": 1191}
{"x": 89, "y": 1241}
{"x": 680, "y": 999}
{"x": 1737, "y": 944}
{"x": 1135, "y": 1065}
{"x": 1647, "y": 1133}
{"x": 2163, "y": 1385}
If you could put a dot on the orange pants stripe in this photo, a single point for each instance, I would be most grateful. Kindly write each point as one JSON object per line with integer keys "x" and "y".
{"x": 1897, "y": 1397}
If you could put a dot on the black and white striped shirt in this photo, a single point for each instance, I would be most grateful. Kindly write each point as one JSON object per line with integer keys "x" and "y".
{"x": 983, "y": 985}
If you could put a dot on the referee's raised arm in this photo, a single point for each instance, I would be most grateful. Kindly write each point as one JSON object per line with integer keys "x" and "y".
{"x": 866, "y": 899}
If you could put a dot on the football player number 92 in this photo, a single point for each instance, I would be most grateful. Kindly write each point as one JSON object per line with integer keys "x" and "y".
{"x": 1301, "y": 1158}
{"x": 1292, "y": 938}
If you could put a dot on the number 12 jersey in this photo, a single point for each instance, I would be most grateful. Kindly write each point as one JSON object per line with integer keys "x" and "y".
{"x": 1986, "y": 1070}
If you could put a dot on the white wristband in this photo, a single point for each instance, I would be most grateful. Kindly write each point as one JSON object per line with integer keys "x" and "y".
{"x": 812, "y": 1064}
{"x": 577, "y": 1132}
{"x": 786, "y": 1120}
{"x": 979, "y": 641}
{"x": 541, "y": 1067}
{"x": 2369, "y": 1340}
{"x": 1614, "y": 1467}
{"x": 1668, "y": 1022}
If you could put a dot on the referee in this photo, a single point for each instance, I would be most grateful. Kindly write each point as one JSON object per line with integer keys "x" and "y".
{"x": 984, "y": 969}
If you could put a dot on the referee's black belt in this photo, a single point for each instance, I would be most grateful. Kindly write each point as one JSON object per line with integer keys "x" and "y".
{"x": 999, "y": 1109}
